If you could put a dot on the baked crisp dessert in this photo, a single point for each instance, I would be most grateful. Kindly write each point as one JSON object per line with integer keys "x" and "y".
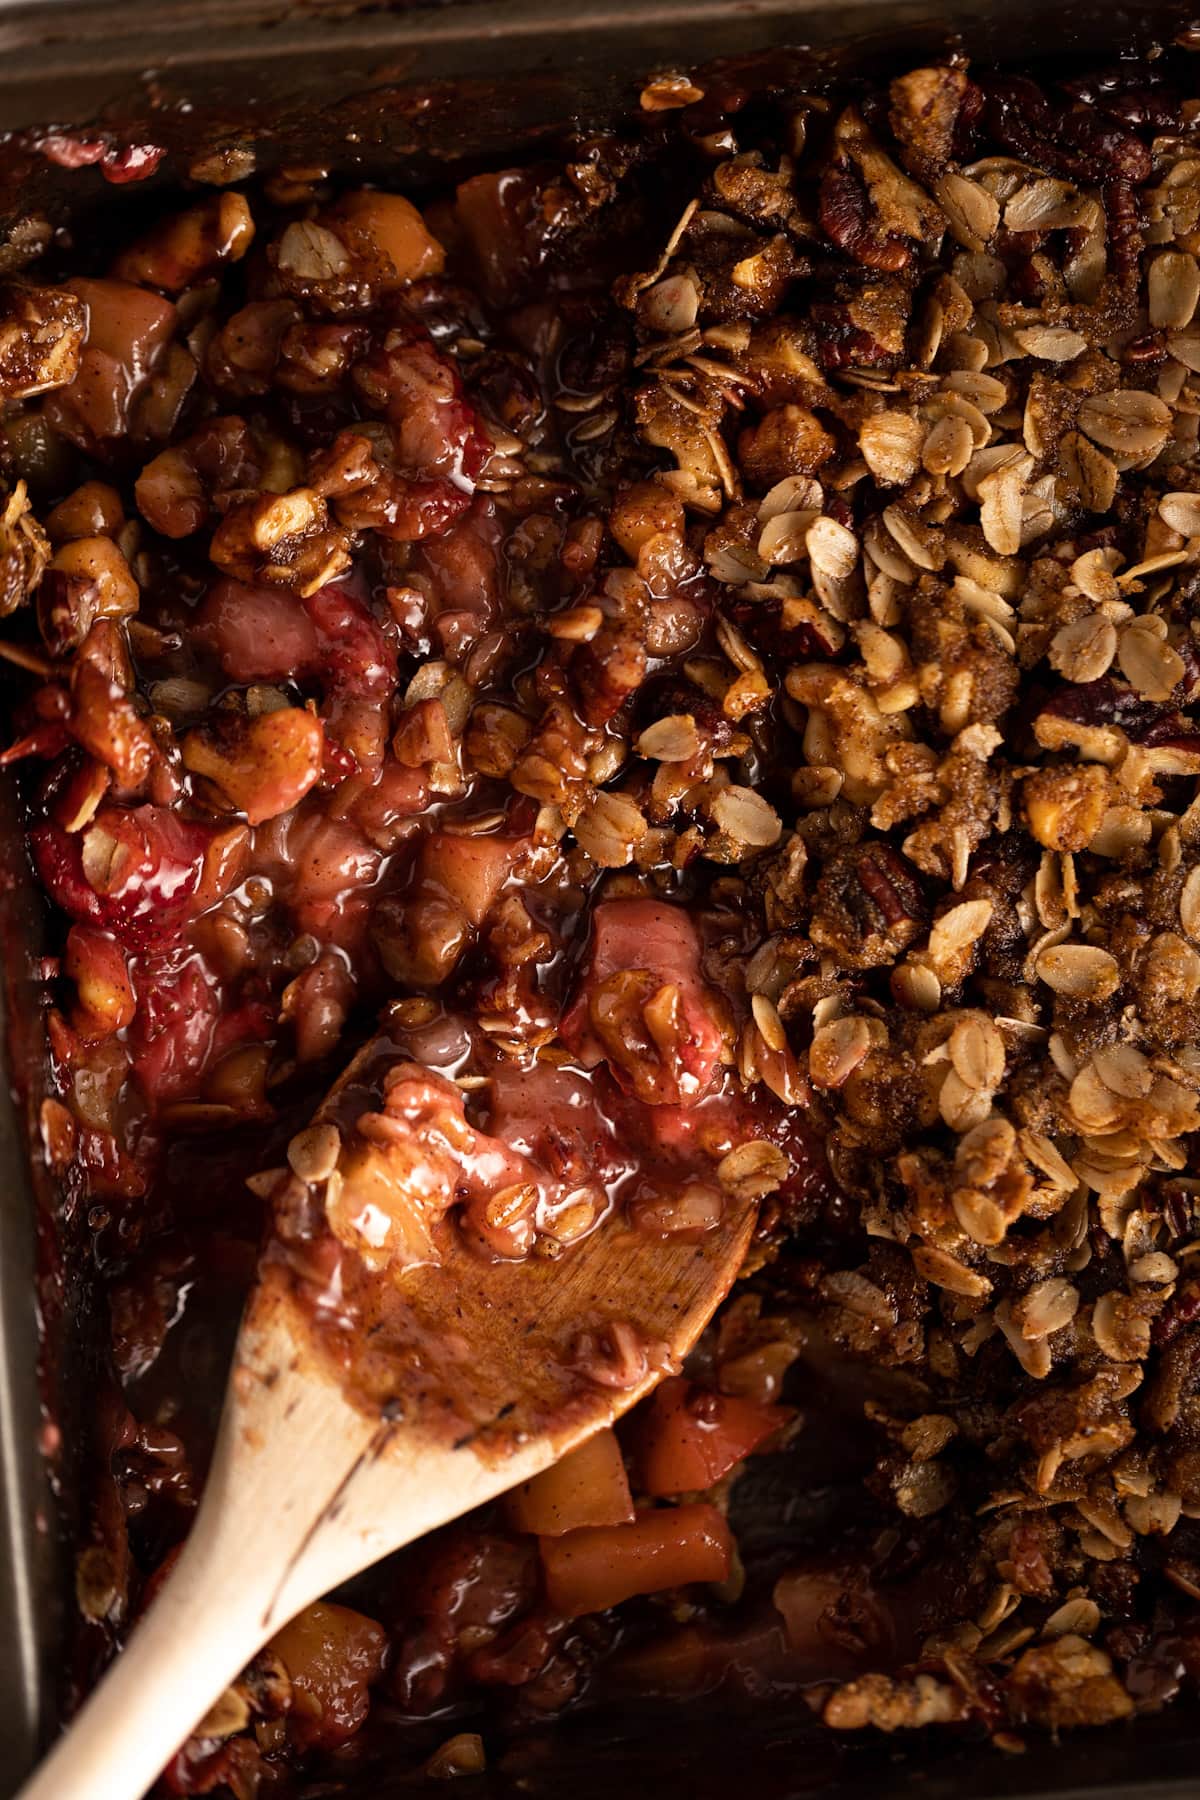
{"x": 699, "y": 638}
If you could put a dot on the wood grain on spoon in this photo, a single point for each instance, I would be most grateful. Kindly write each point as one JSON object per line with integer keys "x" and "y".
{"x": 314, "y": 1478}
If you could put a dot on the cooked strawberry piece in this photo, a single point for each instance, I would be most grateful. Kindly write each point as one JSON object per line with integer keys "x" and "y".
{"x": 133, "y": 871}
{"x": 259, "y": 634}
{"x": 71, "y": 152}
{"x": 462, "y": 567}
{"x": 383, "y": 812}
{"x": 329, "y": 638}
{"x": 317, "y": 859}
{"x": 464, "y": 1587}
{"x": 556, "y": 1119}
{"x": 421, "y": 509}
{"x": 322, "y": 869}
{"x": 172, "y": 1036}
{"x": 437, "y": 430}
{"x": 184, "y": 1026}
{"x": 351, "y": 646}
{"x": 357, "y": 672}
{"x": 43, "y": 740}
{"x": 130, "y": 162}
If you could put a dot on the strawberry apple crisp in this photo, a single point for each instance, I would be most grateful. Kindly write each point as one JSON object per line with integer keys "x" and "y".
{"x": 697, "y": 643}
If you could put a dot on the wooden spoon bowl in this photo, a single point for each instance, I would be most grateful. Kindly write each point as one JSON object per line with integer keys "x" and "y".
{"x": 492, "y": 1371}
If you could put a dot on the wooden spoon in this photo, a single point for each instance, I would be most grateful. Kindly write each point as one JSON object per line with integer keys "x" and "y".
{"x": 309, "y": 1485}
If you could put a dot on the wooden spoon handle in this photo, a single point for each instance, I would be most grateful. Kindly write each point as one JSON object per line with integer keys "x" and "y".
{"x": 305, "y": 1491}
{"x": 201, "y": 1629}
{"x": 287, "y": 1449}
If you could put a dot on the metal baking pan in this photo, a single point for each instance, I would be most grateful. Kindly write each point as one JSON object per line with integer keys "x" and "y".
{"x": 428, "y": 85}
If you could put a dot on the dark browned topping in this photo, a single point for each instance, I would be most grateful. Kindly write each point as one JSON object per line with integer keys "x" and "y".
{"x": 705, "y": 636}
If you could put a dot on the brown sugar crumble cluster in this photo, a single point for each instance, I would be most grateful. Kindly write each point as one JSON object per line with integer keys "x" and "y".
{"x": 701, "y": 638}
